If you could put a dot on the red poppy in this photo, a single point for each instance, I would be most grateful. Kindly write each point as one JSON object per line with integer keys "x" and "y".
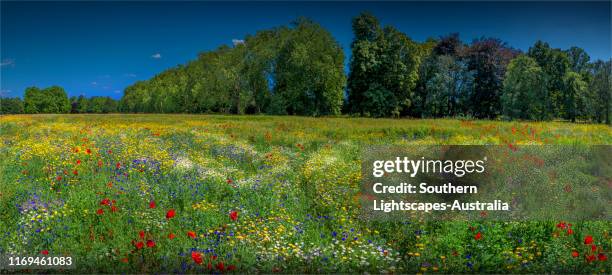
{"x": 220, "y": 266}
{"x": 150, "y": 243}
{"x": 229, "y": 181}
{"x": 561, "y": 225}
{"x": 88, "y": 151}
{"x": 197, "y": 257}
{"x": 125, "y": 260}
{"x": 570, "y": 231}
{"x": 170, "y": 214}
{"x": 58, "y": 178}
{"x": 575, "y": 254}
{"x": 588, "y": 239}
{"x": 209, "y": 266}
{"x": 100, "y": 211}
{"x": 171, "y": 236}
{"x": 590, "y": 258}
{"x": 152, "y": 204}
{"x": 593, "y": 247}
{"x": 113, "y": 208}
{"x": 78, "y": 161}
{"x": 233, "y": 215}
{"x": 105, "y": 201}
{"x": 191, "y": 234}
{"x": 45, "y": 252}
{"x": 231, "y": 267}
{"x": 99, "y": 163}
{"x": 141, "y": 234}
{"x": 602, "y": 257}
{"x": 213, "y": 257}
{"x": 139, "y": 245}
{"x": 478, "y": 236}
{"x": 118, "y": 165}
{"x": 512, "y": 147}
{"x": 110, "y": 151}
{"x": 75, "y": 172}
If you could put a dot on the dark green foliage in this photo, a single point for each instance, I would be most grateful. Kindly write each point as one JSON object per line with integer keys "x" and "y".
{"x": 575, "y": 96}
{"x": 576, "y": 89}
{"x": 309, "y": 72}
{"x": 444, "y": 84}
{"x": 32, "y": 100}
{"x": 525, "y": 93}
{"x": 364, "y": 66}
{"x": 95, "y": 104}
{"x": 383, "y": 69}
{"x": 11, "y": 105}
{"x": 82, "y": 105}
{"x": 601, "y": 88}
{"x": 487, "y": 58}
{"x": 299, "y": 70}
{"x": 448, "y": 87}
{"x": 49, "y": 100}
{"x": 555, "y": 64}
{"x": 449, "y": 45}
{"x": 578, "y": 59}
{"x": 287, "y": 70}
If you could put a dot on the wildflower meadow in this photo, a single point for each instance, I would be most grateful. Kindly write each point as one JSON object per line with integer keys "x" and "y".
{"x": 260, "y": 194}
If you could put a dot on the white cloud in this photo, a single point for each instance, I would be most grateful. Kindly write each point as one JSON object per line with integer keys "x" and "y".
{"x": 94, "y": 83}
{"x": 156, "y": 56}
{"x": 130, "y": 75}
{"x": 237, "y": 42}
{"x": 117, "y": 91}
{"x": 7, "y": 62}
{"x": 5, "y": 92}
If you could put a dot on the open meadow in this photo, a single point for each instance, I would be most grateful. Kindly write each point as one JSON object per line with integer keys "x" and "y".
{"x": 214, "y": 193}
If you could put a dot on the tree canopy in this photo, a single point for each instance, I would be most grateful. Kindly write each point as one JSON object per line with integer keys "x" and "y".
{"x": 524, "y": 92}
{"x": 383, "y": 69}
{"x": 298, "y": 69}
{"x": 49, "y": 100}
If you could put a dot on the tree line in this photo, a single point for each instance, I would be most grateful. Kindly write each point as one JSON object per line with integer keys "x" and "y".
{"x": 390, "y": 75}
{"x": 296, "y": 70}
{"x": 299, "y": 70}
{"x": 54, "y": 100}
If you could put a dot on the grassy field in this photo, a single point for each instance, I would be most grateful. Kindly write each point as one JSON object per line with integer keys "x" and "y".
{"x": 189, "y": 193}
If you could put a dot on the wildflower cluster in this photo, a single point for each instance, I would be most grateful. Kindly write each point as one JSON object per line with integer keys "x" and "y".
{"x": 212, "y": 194}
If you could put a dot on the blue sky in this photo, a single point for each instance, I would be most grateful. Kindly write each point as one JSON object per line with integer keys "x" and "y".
{"x": 99, "y": 48}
